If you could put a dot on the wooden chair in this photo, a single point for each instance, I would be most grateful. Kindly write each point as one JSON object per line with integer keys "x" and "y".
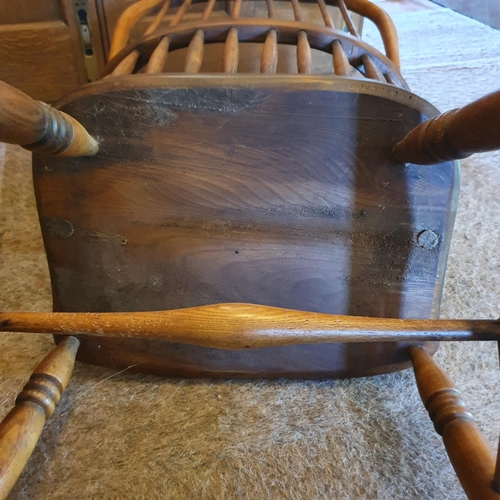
{"x": 232, "y": 224}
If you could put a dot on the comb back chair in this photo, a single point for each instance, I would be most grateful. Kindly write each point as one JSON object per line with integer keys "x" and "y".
{"x": 248, "y": 214}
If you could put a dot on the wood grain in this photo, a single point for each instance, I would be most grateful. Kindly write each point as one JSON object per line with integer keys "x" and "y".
{"x": 455, "y": 134}
{"x": 470, "y": 453}
{"x": 248, "y": 326}
{"x": 35, "y": 49}
{"x": 22, "y": 427}
{"x": 46, "y": 10}
{"x": 193, "y": 202}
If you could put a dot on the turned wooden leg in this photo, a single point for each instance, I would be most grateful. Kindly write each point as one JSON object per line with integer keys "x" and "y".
{"x": 21, "y": 428}
{"x": 454, "y": 135}
{"x": 470, "y": 453}
{"x": 38, "y": 127}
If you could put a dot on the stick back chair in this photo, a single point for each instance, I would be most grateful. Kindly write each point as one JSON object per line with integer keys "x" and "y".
{"x": 223, "y": 204}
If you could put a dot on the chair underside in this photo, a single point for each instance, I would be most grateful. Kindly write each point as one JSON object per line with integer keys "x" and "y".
{"x": 311, "y": 192}
{"x": 276, "y": 191}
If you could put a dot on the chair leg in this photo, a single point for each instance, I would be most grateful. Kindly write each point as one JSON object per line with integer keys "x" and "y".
{"x": 22, "y": 427}
{"x": 453, "y": 135}
{"x": 38, "y": 127}
{"x": 470, "y": 453}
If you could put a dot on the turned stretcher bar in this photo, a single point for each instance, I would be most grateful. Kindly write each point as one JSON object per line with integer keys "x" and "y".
{"x": 244, "y": 326}
{"x": 257, "y": 326}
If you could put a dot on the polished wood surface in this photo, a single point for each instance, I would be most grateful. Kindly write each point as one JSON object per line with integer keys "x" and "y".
{"x": 248, "y": 326}
{"x": 40, "y": 48}
{"x": 33, "y": 61}
{"x": 22, "y": 427}
{"x": 46, "y": 10}
{"x": 470, "y": 453}
{"x": 455, "y": 134}
{"x": 167, "y": 216}
{"x": 39, "y": 127}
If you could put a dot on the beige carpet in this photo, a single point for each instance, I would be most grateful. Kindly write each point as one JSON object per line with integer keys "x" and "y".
{"x": 122, "y": 436}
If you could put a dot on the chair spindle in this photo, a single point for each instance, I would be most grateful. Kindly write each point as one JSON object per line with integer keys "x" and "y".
{"x": 327, "y": 19}
{"x": 236, "y": 9}
{"x": 208, "y": 10}
{"x": 271, "y": 11}
{"x": 371, "y": 70}
{"x": 269, "y": 59}
{"x": 341, "y": 66}
{"x": 159, "y": 56}
{"x": 304, "y": 57}
{"x": 159, "y": 17}
{"x": 347, "y": 18}
{"x": 194, "y": 56}
{"x": 297, "y": 14}
{"x": 127, "y": 66}
{"x": 180, "y": 13}
{"x": 231, "y": 52}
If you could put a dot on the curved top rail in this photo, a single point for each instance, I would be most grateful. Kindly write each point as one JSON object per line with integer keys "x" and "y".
{"x": 137, "y": 11}
{"x": 255, "y": 30}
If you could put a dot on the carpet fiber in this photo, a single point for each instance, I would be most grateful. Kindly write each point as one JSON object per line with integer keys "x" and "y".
{"x": 122, "y": 436}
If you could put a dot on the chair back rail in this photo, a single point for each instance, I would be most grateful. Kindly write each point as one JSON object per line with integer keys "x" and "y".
{"x": 277, "y": 30}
